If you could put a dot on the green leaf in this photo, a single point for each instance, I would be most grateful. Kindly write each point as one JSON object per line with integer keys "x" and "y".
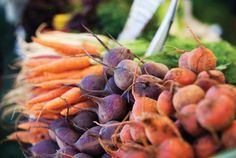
{"x": 223, "y": 66}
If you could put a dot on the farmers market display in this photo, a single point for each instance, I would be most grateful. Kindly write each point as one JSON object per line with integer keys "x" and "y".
{"x": 78, "y": 102}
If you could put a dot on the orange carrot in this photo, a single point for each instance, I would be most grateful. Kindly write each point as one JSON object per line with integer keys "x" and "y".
{"x": 31, "y": 63}
{"x": 75, "y": 108}
{"x": 47, "y": 96}
{"x": 70, "y": 97}
{"x": 63, "y": 64}
{"x": 57, "y": 83}
{"x": 38, "y": 91}
{"x": 67, "y": 49}
{"x": 36, "y": 107}
{"x": 74, "y": 74}
{"x": 28, "y": 137}
{"x": 28, "y": 125}
{"x": 47, "y": 115}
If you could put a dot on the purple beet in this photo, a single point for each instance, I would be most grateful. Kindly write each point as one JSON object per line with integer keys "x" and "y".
{"x": 107, "y": 132}
{"x": 84, "y": 120}
{"x": 124, "y": 73}
{"x": 82, "y": 155}
{"x": 148, "y": 86}
{"x": 88, "y": 143}
{"x": 111, "y": 107}
{"x": 67, "y": 135}
{"x": 106, "y": 156}
{"x": 62, "y": 122}
{"x": 66, "y": 152}
{"x": 114, "y": 57}
{"x": 111, "y": 87}
{"x": 57, "y": 124}
{"x": 44, "y": 147}
{"x": 155, "y": 69}
{"x": 91, "y": 84}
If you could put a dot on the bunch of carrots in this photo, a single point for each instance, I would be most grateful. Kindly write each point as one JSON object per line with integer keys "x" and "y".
{"x": 124, "y": 106}
{"x": 46, "y": 75}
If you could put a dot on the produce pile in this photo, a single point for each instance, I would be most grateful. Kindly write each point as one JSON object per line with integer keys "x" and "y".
{"x": 81, "y": 103}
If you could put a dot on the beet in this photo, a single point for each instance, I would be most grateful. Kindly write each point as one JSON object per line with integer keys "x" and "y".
{"x": 205, "y": 146}
{"x": 66, "y": 152}
{"x": 190, "y": 94}
{"x": 114, "y": 56}
{"x": 84, "y": 120}
{"x": 155, "y": 69}
{"x": 67, "y": 135}
{"x": 124, "y": 73}
{"x": 111, "y": 107}
{"x": 82, "y": 155}
{"x": 148, "y": 86}
{"x": 44, "y": 147}
{"x": 215, "y": 114}
{"x": 182, "y": 76}
{"x": 88, "y": 142}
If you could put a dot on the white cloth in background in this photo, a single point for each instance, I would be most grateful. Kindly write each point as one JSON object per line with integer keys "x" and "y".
{"x": 13, "y": 10}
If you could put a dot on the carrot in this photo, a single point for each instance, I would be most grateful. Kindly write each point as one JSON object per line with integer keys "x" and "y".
{"x": 67, "y": 49}
{"x": 56, "y": 83}
{"x": 34, "y": 127}
{"x": 28, "y": 137}
{"x": 70, "y": 97}
{"x": 74, "y": 74}
{"x": 46, "y": 115}
{"x": 31, "y": 63}
{"x": 47, "y": 96}
{"x": 63, "y": 64}
{"x": 38, "y": 91}
{"x": 77, "y": 107}
{"x": 35, "y": 107}
{"x": 28, "y": 125}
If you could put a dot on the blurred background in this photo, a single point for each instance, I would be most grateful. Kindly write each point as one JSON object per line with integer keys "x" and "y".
{"x": 21, "y": 18}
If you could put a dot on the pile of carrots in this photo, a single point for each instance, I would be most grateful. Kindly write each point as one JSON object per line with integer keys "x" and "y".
{"x": 46, "y": 75}
{"x": 124, "y": 106}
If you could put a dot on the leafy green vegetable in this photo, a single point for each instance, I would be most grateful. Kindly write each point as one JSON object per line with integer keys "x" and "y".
{"x": 112, "y": 15}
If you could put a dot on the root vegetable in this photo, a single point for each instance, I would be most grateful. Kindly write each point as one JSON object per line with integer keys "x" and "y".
{"x": 201, "y": 59}
{"x": 148, "y": 86}
{"x": 164, "y": 103}
{"x": 84, "y": 120}
{"x": 181, "y": 75}
{"x": 111, "y": 107}
{"x": 190, "y": 94}
{"x": 188, "y": 120}
{"x": 215, "y": 114}
{"x": 229, "y": 136}
{"x": 205, "y": 147}
{"x": 213, "y": 74}
{"x": 114, "y": 56}
{"x": 125, "y": 135}
{"x": 88, "y": 142}
{"x": 155, "y": 69}
{"x": 124, "y": 73}
{"x": 44, "y": 147}
{"x": 175, "y": 148}
{"x": 158, "y": 129}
